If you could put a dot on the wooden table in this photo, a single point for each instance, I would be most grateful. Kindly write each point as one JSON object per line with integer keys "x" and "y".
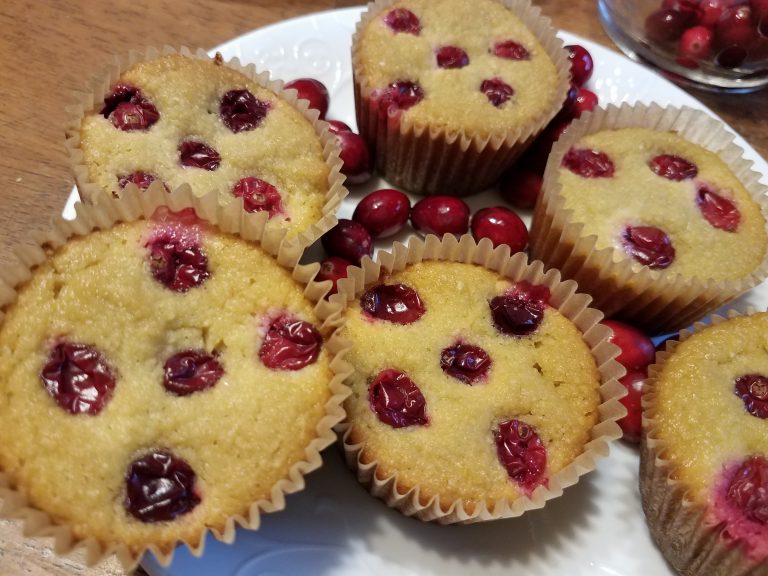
{"x": 50, "y": 48}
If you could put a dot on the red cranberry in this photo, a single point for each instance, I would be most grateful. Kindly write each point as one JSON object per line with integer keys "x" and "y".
{"x": 753, "y": 390}
{"x": 510, "y": 50}
{"x": 736, "y": 28}
{"x": 336, "y": 126}
{"x": 720, "y": 212}
{"x": 403, "y": 20}
{"x": 696, "y": 43}
{"x": 637, "y": 349}
{"x": 290, "y": 344}
{"x": 395, "y": 303}
{"x": 160, "y": 487}
{"x": 516, "y": 314}
{"x": 194, "y": 154}
{"x": 710, "y": 11}
{"x": 191, "y": 371}
{"x": 383, "y": 212}
{"x": 396, "y": 400}
{"x": 440, "y": 215}
{"x": 349, "y": 240}
{"x": 501, "y": 226}
{"x": 530, "y": 292}
{"x": 497, "y": 91}
{"x": 649, "y": 245}
{"x": 241, "y": 111}
{"x": 631, "y": 424}
{"x": 139, "y": 178}
{"x": 451, "y": 57}
{"x": 78, "y": 378}
{"x": 759, "y": 9}
{"x": 688, "y": 8}
{"x": 748, "y": 490}
{"x": 258, "y": 195}
{"x": 589, "y": 163}
{"x": 522, "y": 453}
{"x": 399, "y": 96}
{"x": 128, "y": 109}
{"x": 731, "y": 57}
{"x": 333, "y": 269}
{"x": 581, "y": 64}
{"x": 177, "y": 264}
{"x": 665, "y": 25}
{"x": 521, "y": 187}
{"x": 313, "y": 91}
{"x": 586, "y": 101}
{"x": 355, "y": 157}
{"x": 673, "y": 167}
{"x": 465, "y": 362}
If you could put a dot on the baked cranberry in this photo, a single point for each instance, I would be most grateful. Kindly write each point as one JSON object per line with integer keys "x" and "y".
{"x": 720, "y": 212}
{"x": 581, "y": 64}
{"x": 665, "y": 25}
{"x": 696, "y": 44}
{"x": 753, "y": 390}
{"x": 349, "y": 240}
{"x": 510, "y": 50}
{"x": 649, "y": 245}
{"x": 258, "y": 195}
{"x": 637, "y": 349}
{"x": 530, "y": 292}
{"x": 355, "y": 157}
{"x": 194, "y": 154}
{"x": 522, "y": 453}
{"x": 586, "y": 101}
{"x": 710, "y": 11}
{"x": 313, "y": 91}
{"x": 396, "y": 400}
{"x": 241, "y": 111}
{"x": 383, "y": 212}
{"x": 333, "y": 269}
{"x": 120, "y": 93}
{"x": 497, "y": 91}
{"x": 78, "y": 378}
{"x": 673, "y": 167}
{"x": 516, "y": 314}
{"x": 465, "y": 362}
{"x": 451, "y": 57}
{"x": 290, "y": 344}
{"x": 160, "y": 487}
{"x": 631, "y": 424}
{"x": 336, "y": 126}
{"x": 191, "y": 371}
{"x": 589, "y": 163}
{"x": 399, "y": 95}
{"x": 396, "y": 303}
{"x": 403, "y": 20}
{"x": 501, "y": 226}
{"x": 735, "y": 27}
{"x": 139, "y": 178}
{"x": 440, "y": 215}
{"x": 176, "y": 263}
{"x": 521, "y": 187}
{"x": 128, "y": 109}
{"x": 748, "y": 490}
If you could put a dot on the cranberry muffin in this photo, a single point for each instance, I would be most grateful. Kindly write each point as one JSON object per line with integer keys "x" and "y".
{"x": 186, "y": 119}
{"x": 704, "y": 466}
{"x": 174, "y": 378}
{"x": 449, "y": 92}
{"x": 474, "y": 416}
{"x": 657, "y": 227}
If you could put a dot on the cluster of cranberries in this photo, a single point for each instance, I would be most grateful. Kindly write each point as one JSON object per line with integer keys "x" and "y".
{"x": 398, "y": 402}
{"x": 727, "y": 33}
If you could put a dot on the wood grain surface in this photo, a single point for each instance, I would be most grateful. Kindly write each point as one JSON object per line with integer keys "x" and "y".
{"x": 50, "y": 48}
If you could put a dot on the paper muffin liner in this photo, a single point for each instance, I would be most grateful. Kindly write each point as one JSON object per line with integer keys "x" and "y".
{"x": 92, "y": 98}
{"x": 679, "y": 526}
{"x": 136, "y": 205}
{"x": 652, "y": 299}
{"x": 412, "y": 500}
{"x": 426, "y": 159}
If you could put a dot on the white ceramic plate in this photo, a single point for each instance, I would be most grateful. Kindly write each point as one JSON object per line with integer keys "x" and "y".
{"x": 334, "y": 528}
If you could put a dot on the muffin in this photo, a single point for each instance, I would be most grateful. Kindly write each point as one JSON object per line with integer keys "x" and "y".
{"x": 184, "y": 118}
{"x": 704, "y": 458}
{"x": 654, "y": 213}
{"x": 478, "y": 415}
{"x": 448, "y": 93}
{"x": 175, "y": 378}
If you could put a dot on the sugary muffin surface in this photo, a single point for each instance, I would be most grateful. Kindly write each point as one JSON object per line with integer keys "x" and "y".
{"x": 282, "y": 150}
{"x": 635, "y": 177}
{"x": 239, "y": 436}
{"x": 547, "y": 380}
{"x": 452, "y": 97}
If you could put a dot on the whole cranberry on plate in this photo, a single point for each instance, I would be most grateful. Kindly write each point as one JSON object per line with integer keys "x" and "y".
{"x": 637, "y": 349}
{"x": 349, "y": 240}
{"x": 355, "y": 157}
{"x": 501, "y": 226}
{"x": 313, "y": 91}
{"x": 440, "y": 215}
{"x": 383, "y": 212}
